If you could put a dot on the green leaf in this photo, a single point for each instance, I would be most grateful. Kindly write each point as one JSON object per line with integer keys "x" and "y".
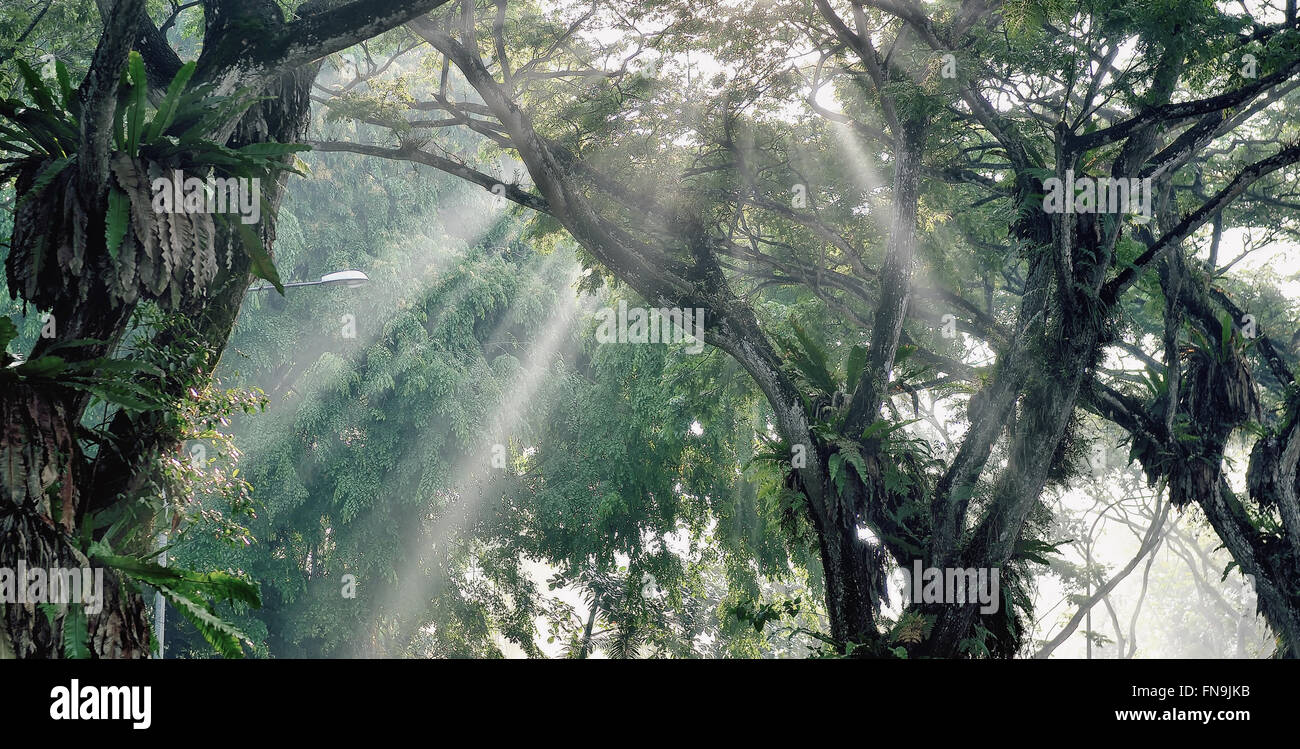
{"x": 262, "y": 266}
{"x": 66, "y": 91}
{"x": 8, "y": 332}
{"x": 207, "y": 113}
{"x": 7, "y": 108}
{"x": 51, "y": 612}
{"x": 1037, "y": 551}
{"x": 75, "y": 633}
{"x": 1226, "y": 570}
{"x": 118, "y": 397}
{"x": 192, "y": 593}
{"x": 49, "y": 130}
{"x": 1225, "y": 336}
{"x": 43, "y": 367}
{"x": 15, "y": 147}
{"x": 139, "y": 94}
{"x": 73, "y": 343}
{"x": 46, "y": 176}
{"x": 117, "y": 220}
{"x": 119, "y": 115}
{"x": 106, "y": 365}
{"x": 836, "y": 466}
{"x": 220, "y": 634}
{"x": 36, "y": 87}
{"x": 853, "y": 366}
{"x": 811, "y": 360}
{"x": 896, "y": 481}
{"x": 166, "y": 113}
{"x": 880, "y": 428}
{"x": 221, "y": 586}
{"x": 854, "y": 458}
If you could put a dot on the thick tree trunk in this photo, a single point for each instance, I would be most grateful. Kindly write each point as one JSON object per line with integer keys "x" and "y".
{"x": 851, "y": 578}
{"x": 40, "y": 477}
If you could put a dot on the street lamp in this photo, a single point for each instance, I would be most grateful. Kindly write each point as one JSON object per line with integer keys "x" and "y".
{"x": 349, "y": 278}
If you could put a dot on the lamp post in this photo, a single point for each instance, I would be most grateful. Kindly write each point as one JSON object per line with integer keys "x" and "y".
{"x": 159, "y": 605}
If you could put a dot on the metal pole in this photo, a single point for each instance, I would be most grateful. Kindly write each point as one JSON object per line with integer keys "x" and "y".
{"x": 289, "y": 285}
{"x": 159, "y": 604}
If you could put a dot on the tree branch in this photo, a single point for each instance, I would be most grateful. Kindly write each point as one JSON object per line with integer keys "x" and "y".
{"x": 455, "y": 168}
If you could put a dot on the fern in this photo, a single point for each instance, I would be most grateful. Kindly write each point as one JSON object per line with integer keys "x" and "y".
{"x": 36, "y": 87}
{"x": 139, "y": 91}
{"x": 117, "y": 220}
{"x": 44, "y": 136}
{"x": 853, "y": 366}
{"x": 167, "y": 109}
{"x": 46, "y": 176}
{"x": 225, "y": 638}
{"x": 221, "y": 586}
{"x": 194, "y": 594}
{"x": 75, "y": 632}
{"x": 810, "y": 360}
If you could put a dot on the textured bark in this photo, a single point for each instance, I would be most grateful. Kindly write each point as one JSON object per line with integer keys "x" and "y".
{"x": 41, "y": 474}
{"x": 98, "y": 95}
{"x": 895, "y": 279}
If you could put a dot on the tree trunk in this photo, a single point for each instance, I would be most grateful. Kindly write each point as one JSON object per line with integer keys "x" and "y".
{"x": 852, "y": 587}
{"x": 40, "y": 468}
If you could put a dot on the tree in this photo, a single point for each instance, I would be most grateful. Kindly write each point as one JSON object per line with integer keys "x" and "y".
{"x": 867, "y": 198}
{"x": 79, "y": 265}
{"x": 684, "y": 202}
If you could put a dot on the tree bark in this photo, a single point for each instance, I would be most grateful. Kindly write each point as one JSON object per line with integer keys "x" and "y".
{"x": 41, "y": 474}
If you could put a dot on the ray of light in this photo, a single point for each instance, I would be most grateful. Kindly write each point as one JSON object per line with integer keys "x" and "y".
{"x": 471, "y": 479}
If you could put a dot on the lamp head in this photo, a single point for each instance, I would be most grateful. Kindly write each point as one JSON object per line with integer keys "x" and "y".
{"x": 349, "y": 278}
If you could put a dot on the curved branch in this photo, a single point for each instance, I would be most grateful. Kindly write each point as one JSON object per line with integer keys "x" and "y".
{"x": 454, "y": 168}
